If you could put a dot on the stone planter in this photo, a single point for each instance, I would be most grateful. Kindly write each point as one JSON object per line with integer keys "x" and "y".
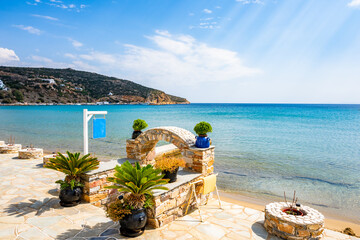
{"x": 47, "y": 158}
{"x": 308, "y": 226}
{"x": 6, "y": 149}
{"x": 30, "y": 153}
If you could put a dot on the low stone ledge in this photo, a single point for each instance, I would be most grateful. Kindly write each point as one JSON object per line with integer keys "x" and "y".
{"x": 7, "y": 148}
{"x": 309, "y": 226}
{"x": 47, "y": 158}
{"x": 31, "y": 153}
{"x": 96, "y": 180}
{"x": 170, "y": 205}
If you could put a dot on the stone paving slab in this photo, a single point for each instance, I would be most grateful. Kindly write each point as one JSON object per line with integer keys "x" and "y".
{"x": 29, "y": 209}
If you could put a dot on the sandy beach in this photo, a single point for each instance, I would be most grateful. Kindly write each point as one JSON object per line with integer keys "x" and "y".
{"x": 332, "y": 222}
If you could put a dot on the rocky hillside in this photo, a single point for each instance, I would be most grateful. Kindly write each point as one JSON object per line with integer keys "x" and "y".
{"x": 66, "y": 86}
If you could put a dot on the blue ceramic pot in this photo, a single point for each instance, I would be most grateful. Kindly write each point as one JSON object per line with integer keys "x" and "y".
{"x": 202, "y": 142}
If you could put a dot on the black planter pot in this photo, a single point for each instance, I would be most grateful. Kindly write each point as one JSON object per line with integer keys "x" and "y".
{"x": 136, "y": 134}
{"x": 133, "y": 225}
{"x": 171, "y": 175}
{"x": 70, "y": 198}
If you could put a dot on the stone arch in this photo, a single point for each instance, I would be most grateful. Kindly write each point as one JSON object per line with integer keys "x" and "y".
{"x": 143, "y": 148}
{"x": 144, "y": 145}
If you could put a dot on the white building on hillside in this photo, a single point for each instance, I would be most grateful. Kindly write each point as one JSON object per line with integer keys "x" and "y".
{"x": 3, "y": 86}
{"x": 49, "y": 80}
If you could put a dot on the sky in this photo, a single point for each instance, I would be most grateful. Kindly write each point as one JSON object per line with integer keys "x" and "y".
{"x": 225, "y": 51}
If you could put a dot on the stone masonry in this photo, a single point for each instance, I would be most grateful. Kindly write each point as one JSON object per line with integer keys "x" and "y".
{"x": 172, "y": 204}
{"x": 197, "y": 159}
{"x": 169, "y": 205}
{"x": 8, "y": 149}
{"x": 307, "y": 227}
{"x": 94, "y": 189}
{"x": 31, "y": 153}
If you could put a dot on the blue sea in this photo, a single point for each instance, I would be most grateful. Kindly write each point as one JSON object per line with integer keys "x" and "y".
{"x": 261, "y": 150}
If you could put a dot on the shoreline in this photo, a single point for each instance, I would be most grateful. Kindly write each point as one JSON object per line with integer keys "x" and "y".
{"x": 332, "y": 222}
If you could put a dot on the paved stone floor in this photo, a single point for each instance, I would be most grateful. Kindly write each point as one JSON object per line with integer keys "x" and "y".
{"x": 29, "y": 209}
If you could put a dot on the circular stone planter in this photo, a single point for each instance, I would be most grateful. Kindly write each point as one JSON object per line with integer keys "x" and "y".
{"x": 47, "y": 158}
{"x": 30, "y": 153}
{"x": 6, "y": 149}
{"x": 278, "y": 223}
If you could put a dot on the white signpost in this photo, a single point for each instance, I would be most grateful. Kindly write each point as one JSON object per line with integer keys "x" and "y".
{"x": 87, "y": 115}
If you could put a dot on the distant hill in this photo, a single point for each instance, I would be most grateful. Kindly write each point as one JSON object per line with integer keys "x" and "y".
{"x": 67, "y": 86}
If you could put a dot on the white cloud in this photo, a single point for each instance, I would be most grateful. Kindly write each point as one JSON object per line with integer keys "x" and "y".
{"x": 99, "y": 57}
{"x": 207, "y": 11}
{"x": 70, "y": 7}
{"x": 75, "y": 43}
{"x": 83, "y": 66}
{"x": 7, "y": 55}
{"x": 45, "y": 17}
{"x": 178, "y": 60}
{"x": 69, "y": 55}
{"x": 182, "y": 60}
{"x": 33, "y": 4}
{"x": 30, "y": 29}
{"x": 354, "y": 3}
{"x": 250, "y": 1}
{"x": 41, "y": 59}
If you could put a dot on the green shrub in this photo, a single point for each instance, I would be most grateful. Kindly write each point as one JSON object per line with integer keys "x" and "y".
{"x": 7, "y": 101}
{"x": 73, "y": 165}
{"x": 139, "y": 125}
{"x": 18, "y": 95}
{"x": 138, "y": 181}
{"x": 202, "y": 128}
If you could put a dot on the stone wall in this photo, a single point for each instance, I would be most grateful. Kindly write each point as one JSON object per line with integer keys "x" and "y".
{"x": 96, "y": 181}
{"x": 197, "y": 159}
{"x": 200, "y": 160}
{"x": 172, "y": 204}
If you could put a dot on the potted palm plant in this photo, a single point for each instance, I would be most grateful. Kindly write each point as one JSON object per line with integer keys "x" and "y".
{"x": 73, "y": 166}
{"x": 137, "y": 185}
{"x": 138, "y": 125}
{"x": 169, "y": 166}
{"x": 201, "y": 129}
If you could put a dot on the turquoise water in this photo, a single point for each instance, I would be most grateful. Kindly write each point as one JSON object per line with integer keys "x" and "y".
{"x": 261, "y": 149}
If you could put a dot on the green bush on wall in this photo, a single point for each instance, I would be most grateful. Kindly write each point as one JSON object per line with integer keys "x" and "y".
{"x": 202, "y": 128}
{"x": 139, "y": 125}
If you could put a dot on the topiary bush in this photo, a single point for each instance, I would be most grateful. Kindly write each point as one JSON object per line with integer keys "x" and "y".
{"x": 139, "y": 125}
{"x": 202, "y": 128}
